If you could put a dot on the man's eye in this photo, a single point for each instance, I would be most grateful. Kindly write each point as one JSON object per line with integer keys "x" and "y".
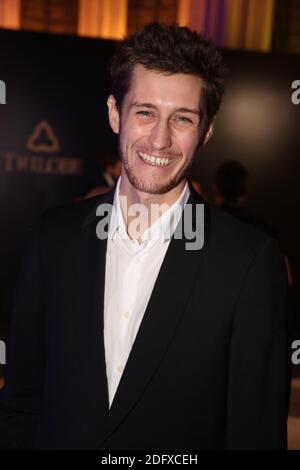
{"x": 183, "y": 121}
{"x": 144, "y": 113}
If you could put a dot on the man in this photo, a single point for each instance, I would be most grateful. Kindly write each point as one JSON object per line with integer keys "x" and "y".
{"x": 230, "y": 188}
{"x": 109, "y": 176}
{"x": 131, "y": 341}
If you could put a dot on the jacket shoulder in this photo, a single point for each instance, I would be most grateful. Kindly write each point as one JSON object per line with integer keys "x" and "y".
{"x": 64, "y": 223}
{"x": 235, "y": 238}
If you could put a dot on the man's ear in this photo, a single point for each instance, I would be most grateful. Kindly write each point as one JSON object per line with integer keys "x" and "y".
{"x": 209, "y": 132}
{"x": 113, "y": 114}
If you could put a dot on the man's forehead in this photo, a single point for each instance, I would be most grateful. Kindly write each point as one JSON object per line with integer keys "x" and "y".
{"x": 146, "y": 85}
{"x": 139, "y": 71}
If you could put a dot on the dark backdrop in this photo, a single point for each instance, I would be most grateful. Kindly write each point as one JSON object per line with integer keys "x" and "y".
{"x": 259, "y": 126}
{"x": 54, "y": 131}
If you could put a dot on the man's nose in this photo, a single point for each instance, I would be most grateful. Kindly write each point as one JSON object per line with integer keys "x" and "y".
{"x": 160, "y": 136}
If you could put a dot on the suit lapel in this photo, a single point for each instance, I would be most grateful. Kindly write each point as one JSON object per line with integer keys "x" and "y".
{"x": 165, "y": 309}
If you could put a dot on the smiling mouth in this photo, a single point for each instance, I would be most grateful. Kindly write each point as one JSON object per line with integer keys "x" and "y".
{"x": 156, "y": 161}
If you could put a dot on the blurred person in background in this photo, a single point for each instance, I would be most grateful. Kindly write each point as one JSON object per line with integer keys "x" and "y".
{"x": 109, "y": 176}
{"x": 230, "y": 189}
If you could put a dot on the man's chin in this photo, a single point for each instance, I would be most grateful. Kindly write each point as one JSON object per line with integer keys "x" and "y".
{"x": 152, "y": 188}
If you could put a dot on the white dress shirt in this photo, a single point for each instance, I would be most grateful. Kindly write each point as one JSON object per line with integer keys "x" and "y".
{"x": 130, "y": 274}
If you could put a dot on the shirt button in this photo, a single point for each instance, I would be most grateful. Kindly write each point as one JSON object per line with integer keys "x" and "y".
{"x": 120, "y": 368}
{"x": 137, "y": 260}
{"x": 127, "y": 314}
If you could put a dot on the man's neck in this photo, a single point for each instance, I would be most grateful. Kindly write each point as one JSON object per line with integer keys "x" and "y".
{"x": 147, "y": 200}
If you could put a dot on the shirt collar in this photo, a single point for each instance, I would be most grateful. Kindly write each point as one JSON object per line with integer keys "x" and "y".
{"x": 117, "y": 220}
{"x": 163, "y": 227}
{"x": 109, "y": 179}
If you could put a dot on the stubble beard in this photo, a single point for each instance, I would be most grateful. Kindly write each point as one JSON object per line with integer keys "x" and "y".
{"x": 153, "y": 187}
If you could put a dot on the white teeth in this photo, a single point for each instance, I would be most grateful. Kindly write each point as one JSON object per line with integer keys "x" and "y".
{"x": 153, "y": 160}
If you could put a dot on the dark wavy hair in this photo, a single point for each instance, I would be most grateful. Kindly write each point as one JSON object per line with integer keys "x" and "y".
{"x": 169, "y": 49}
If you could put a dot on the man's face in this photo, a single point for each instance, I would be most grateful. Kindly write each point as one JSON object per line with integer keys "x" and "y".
{"x": 159, "y": 128}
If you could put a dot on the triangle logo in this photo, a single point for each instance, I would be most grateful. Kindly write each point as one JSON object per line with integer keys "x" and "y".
{"x": 43, "y": 139}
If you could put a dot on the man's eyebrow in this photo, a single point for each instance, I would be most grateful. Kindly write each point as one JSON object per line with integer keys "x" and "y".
{"x": 142, "y": 105}
{"x": 152, "y": 106}
{"x": 188, "y": 110}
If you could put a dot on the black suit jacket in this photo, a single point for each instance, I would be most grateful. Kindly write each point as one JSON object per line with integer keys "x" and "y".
{"x": 208, "y": 368}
